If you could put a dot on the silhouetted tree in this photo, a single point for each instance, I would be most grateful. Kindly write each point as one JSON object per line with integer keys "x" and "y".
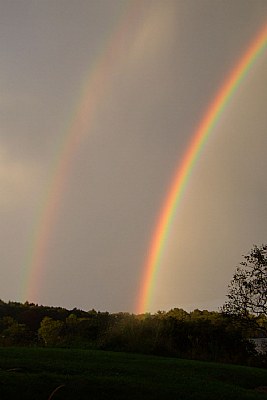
{"x": 247, "y": 297}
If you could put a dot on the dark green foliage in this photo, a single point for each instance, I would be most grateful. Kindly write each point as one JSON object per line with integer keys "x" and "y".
{"x": 14, "y": 333}
{"x": 200, "y": 335}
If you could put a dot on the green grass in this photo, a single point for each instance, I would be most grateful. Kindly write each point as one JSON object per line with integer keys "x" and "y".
{"x": 33, "y": 374}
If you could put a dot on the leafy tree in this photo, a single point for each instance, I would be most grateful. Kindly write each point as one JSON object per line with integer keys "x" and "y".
{"x": 247, "y": 297}
{"x": 13, "y": 333}
{"x": 50, "y": 331}
{"x": 178, "y": 313}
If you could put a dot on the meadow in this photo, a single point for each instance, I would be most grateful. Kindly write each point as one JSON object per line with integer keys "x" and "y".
{"x": 47, "y": 373}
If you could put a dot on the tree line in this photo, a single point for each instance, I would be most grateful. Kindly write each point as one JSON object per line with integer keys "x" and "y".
{"x": 222, "y": 336}
{"x": 201, "y": 335}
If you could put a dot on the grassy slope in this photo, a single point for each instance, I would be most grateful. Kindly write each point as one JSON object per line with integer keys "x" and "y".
{"x": 33, "y": 374}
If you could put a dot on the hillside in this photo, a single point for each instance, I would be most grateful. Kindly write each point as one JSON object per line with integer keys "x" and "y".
{"x": 34, "y": 374}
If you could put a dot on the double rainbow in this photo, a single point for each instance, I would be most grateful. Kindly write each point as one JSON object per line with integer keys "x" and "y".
{"x": 82, "y": 119}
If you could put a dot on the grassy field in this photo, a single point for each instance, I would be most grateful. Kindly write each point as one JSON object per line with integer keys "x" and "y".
{"x": 34, "y": 373}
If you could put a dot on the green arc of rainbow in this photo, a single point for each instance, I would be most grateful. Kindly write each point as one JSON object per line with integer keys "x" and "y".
{"x": 182, "y": 174}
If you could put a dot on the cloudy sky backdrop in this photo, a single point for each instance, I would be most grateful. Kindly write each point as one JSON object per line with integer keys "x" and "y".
{"x": 170, "y": 60}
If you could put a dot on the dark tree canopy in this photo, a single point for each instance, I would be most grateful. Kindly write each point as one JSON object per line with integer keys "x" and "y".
{"x": 247, "y": 296}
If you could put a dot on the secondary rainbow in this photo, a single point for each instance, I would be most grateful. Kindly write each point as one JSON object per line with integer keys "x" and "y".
{"x": 184, "y": 170}
{"x": 79, "y": 126}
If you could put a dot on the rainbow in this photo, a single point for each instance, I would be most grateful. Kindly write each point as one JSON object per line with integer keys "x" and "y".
{"x": 185, "y": 167}
{"x": 78, "y": 128}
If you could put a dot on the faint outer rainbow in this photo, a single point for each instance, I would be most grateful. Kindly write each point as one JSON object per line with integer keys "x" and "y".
{"x": 93, "y": 90}
{"x": 184, "y": 170}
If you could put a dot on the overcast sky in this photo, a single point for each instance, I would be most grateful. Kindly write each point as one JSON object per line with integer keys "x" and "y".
{"x": 174, "y": 57}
